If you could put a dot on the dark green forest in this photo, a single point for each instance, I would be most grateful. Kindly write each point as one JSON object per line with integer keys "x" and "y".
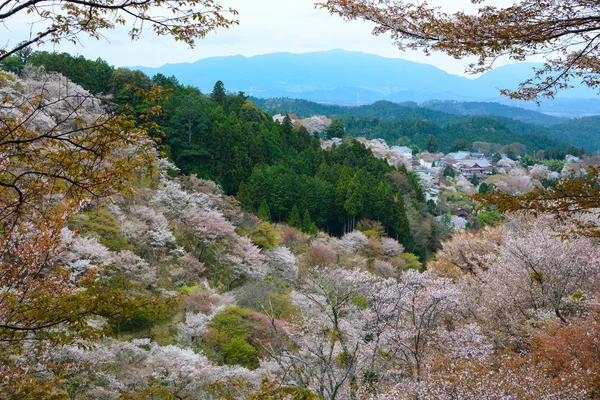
{"x": 584, "y": 131}
{"x": 274, "y": 167}
{"x": 380, "y": 109}
{"x": 489, "y": 108}
{"x": 488, "y": 129}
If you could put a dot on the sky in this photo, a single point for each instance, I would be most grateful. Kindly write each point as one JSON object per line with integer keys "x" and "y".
{"x": 266, "y": 26}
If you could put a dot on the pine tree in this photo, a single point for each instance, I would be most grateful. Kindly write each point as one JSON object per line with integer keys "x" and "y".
{"x": 294, "y": 218}
{"x": 336, "y": 129}
{"x": 431, "y": 144}
{"x": 307, "y": 225}
{"x": 218, "y": 94}
{"x": 483, "y": 188}
{"x": 475, "y": 180}
{"x": 243, "y": 196}
{"x": 449, "y": 172}
{"x": 263, "y": 212}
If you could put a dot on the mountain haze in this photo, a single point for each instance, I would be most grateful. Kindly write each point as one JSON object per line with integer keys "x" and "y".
{"x": 351, "y": 78}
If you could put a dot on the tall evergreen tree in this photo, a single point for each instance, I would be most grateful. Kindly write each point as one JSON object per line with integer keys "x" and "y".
{"x": 294, "y": 218}
{"x": 336, "y": 129}
{"x": 243, "y": 196}
{"x": 449, "y": 172}
{"x": 431, "y": 144}
{"x": 263, "y": 211}
{"x": 307, "y": 225}
{"x": 218, "y": 94}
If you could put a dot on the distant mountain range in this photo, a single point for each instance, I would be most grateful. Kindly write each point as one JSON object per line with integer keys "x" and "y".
{"x": 350, "y": 78}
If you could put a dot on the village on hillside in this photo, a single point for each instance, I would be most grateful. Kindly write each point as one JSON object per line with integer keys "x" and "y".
{"x": 449, "y": 179}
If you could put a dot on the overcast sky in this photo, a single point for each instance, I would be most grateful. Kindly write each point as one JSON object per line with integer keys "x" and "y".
{"x": 266, "y": 26}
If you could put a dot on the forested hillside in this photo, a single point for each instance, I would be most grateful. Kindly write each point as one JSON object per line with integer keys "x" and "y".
{"x": 584, "y": 131}
{"x": 392, "y": 121}
{"x": 226, "y": 138}
{"x": 489, "y": 108}
{"x": 475, "y": 129}
{"x": 130, "y": 271}
{"x": 381, "y": 109}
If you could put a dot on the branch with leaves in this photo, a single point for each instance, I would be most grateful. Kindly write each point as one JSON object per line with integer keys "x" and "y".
{"x": 58, "y": 21}
{"x": 572, "y": 200}
{"x": 566, "y": 33}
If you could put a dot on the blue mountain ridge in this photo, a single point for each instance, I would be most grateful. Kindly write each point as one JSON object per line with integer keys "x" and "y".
{"x": 347, "y": 78}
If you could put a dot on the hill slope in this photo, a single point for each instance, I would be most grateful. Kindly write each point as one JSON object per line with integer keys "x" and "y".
{"x": 381, "y": 109}
{"x": 391, "y": 121}
{"x": 488, "y": 108}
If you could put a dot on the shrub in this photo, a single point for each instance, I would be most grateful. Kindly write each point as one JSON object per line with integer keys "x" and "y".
{"x": 265, "y": 236}
{"x": 102, "y": 225}
{"x": 239, "y": 352}
{"x": 371, "y": 229}
{"x": 162, "y": 336}
{"x": 292, "y": 237}
{"x": 320, "y": 255}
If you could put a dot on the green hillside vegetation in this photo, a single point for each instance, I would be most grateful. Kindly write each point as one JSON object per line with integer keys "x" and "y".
{"x": 226, "y": 138}
{"x": 488, "y": 129}
{"x": 490, "y": 108}
{"x": 496, "y": 130}
{"x": 583, "y": 132}
{"x": 391, "y": 121}
{"x": 381, "y": 109}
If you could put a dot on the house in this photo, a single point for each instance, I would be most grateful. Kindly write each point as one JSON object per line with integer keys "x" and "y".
{"x": 468, "y": 168}
{"x": 445, "y": 162}
{"x": 427, "y": 159}
{"x": 403, "y": 151}
{"x": 432, "y": 194}
{"x": 459, "y": 155}
{"x": 464, "y": 213}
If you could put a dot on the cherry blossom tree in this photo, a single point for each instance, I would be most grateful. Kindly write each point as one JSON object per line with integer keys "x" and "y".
{"x": 327, "y": 343}
{"x": 420, "y": 311}
{"x": 134, "y": 268}
{"x": 282, "y": 264}
{"x": 557, "y": 268}
{"x": 352, "y": 242}
{"x": 253, "y": 260}
{"x": 208, "y": 226}
{"x": 539, "y": 172}
{"x": 391, "y": 247}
